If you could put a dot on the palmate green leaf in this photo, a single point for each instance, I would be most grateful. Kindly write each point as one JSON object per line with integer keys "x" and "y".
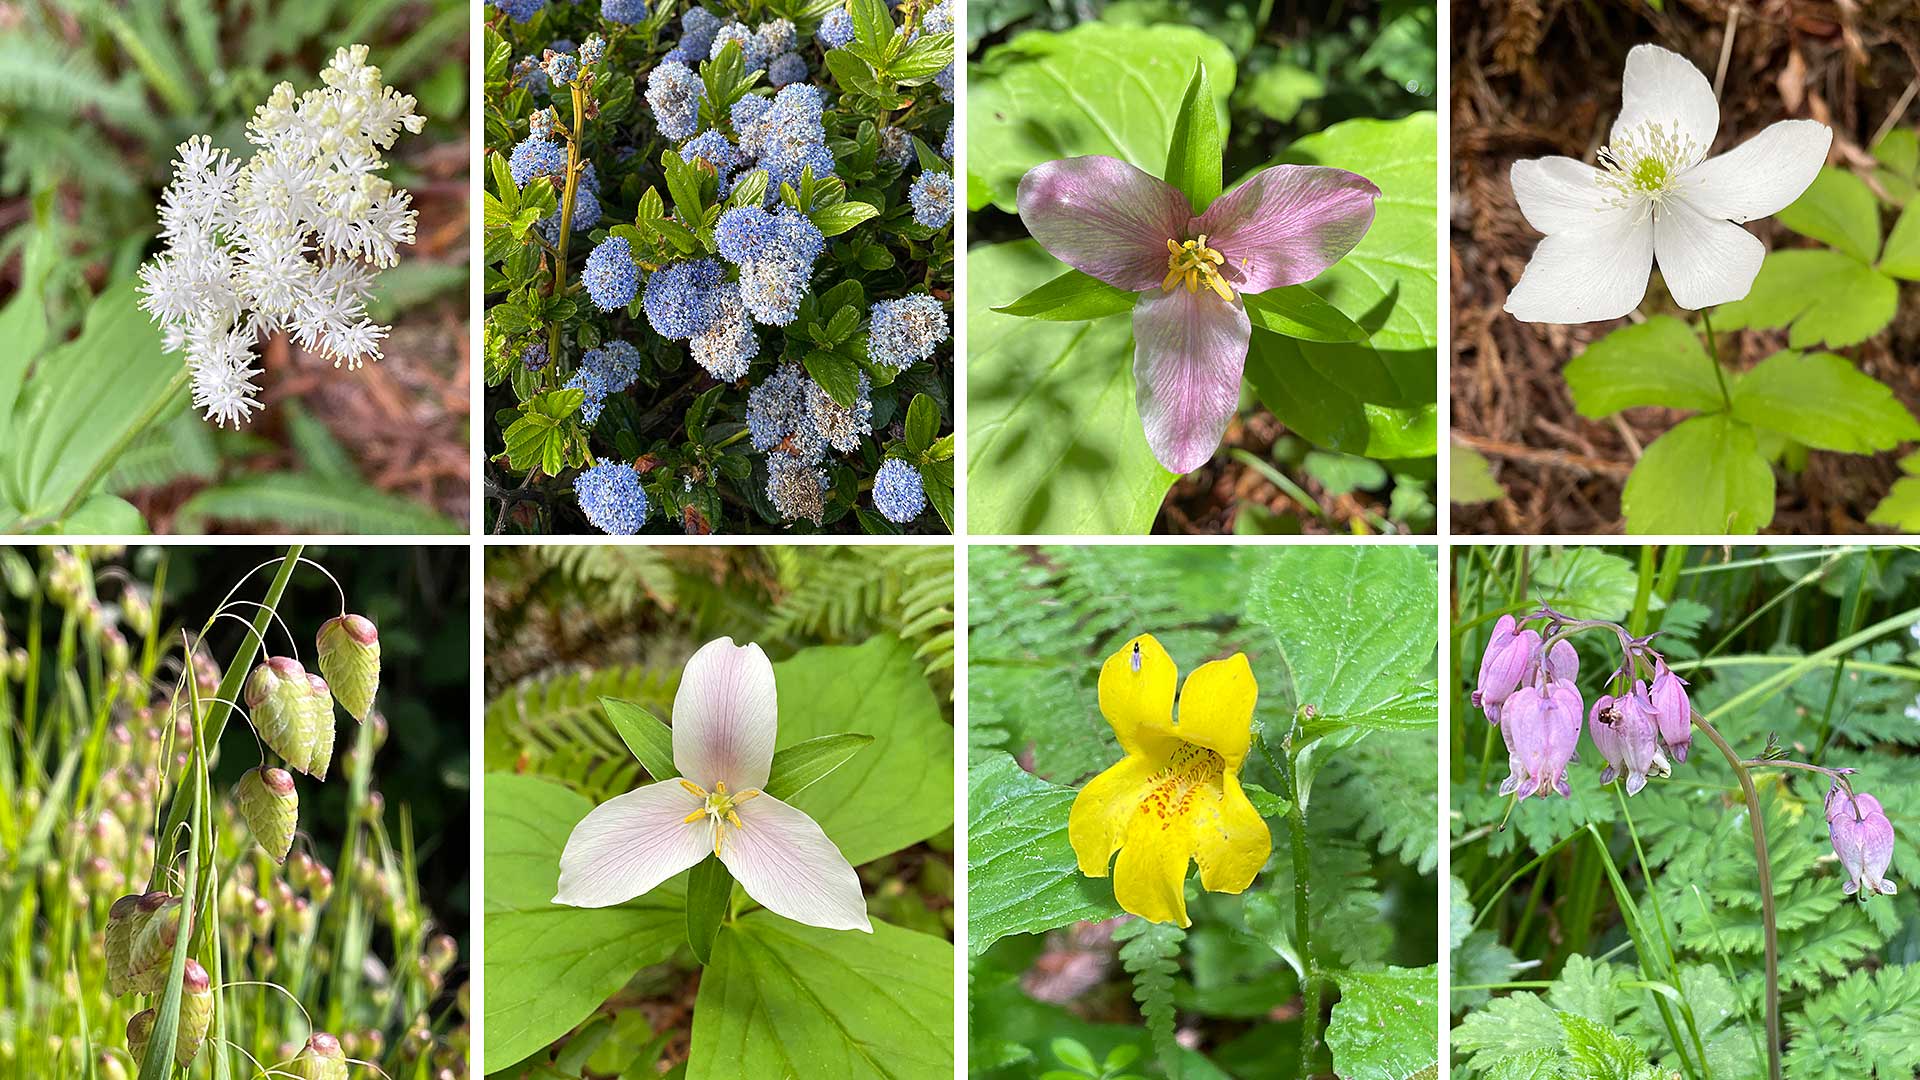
{"x": 1094, "y": 89}
{"x": 1072, "y": 297}
{"x": 1022, "y": 877}
{"x": 1838, "y": 209}
{"x": 782, "y": 999}
{"x": 1827, "y": 297}
{"x": 1054, "y": 444}
{"x": 1471, "y": 479}
{"x": 1386, "y": 1025}
{"x": 1705, "y": 475}
{"x": 1899, "y": 170}
{"x": 548, "y": 967}
{"x": 1820, "y": 399}
{"x": 1193, "y": 152}
{"x": 1900, "y": 510}
{"x": 1657, "y": 362}
{"x": 1902, "y": 255}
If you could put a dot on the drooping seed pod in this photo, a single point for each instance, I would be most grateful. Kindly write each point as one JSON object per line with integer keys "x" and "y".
{"x": 320, "y": 1059}
{"x": 318, "y": 719}
{"x": 271, "y": 808}
{"x": 196, "y": 1013}
{"x": 276, "y": 695}
{"x": 120, "y": 926}
{"x": 140, "y": 1033}
{"x": 350, "y": 660}
{"x": 154, "y": 935}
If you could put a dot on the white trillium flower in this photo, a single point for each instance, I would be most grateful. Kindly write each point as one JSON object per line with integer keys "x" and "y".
{"x": 1656, "y": 195}
{"x": 724, "y": 724}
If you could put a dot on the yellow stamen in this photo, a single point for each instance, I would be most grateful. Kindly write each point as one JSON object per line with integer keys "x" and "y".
{"x": 693, "y": 788}
{"x": 695, "y": 816}
{"x": 1195, "y": 264}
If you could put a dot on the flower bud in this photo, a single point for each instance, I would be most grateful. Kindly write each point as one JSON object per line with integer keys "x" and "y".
{"x": 350, "y": 661}
{"x": 317, "y": 716}
{"x": 1508, "y": 657}
{"x": 276, "y": 695}
{"x": 1672, "y": 711}
{"x": 196, "y": 1013}
{"x": 320, "y": 1059}
{"x": 1541, "y": 726}
{"x": 270, "y": 807}
{"x": 1863, "y": 839}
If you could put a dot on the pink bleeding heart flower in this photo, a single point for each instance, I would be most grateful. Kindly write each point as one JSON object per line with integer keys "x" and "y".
{"x": 1510, "y": 655}
{"x": 1863, "y": 839}
{"x": 724, "y": 725}
{"x": 1283, "y": 226}
{"x": 1672, "y": 711}
{"x": 1562, "y": 662}
{"x": 1541, "y": 725}
{"x": 1624, "y": 732}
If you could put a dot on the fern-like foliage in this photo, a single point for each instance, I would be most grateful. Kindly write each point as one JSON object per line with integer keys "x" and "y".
{"x": 847, "y": 594}
{"x": 555, "y": 726}
{"x": 1151, "y": 954}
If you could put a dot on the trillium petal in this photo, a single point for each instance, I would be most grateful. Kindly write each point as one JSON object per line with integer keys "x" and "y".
{"x": 1287, "y": 224}
{"x": 1705, "y": 261}
{"x": 1586, "y": 276}
{"x": 1663, "y": 89}
{"x": 786, "y": 863}
{"x": 1231, "y": 841}
{"x": 725, "y": 716}
{"x": 1104, "y": 217}
{"x": 1189, "y": 349}
{"x": 1761, "y": 176}
{"x": 1149, "y": 877}
{"x": 1097, "y": 824}
{"x": 628, "y": 845}
{"x": 1559, "y": 194}
{"x": 1216, "y": 708}
{"x": 1138, "y": 701}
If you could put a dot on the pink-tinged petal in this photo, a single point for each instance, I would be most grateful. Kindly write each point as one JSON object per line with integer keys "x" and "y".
{"x": 628, "y": 845}
{"x": 1104, "y": 217}
{"x": 1189, "y": 349}
{"x": 1761, "y": 176}
{"x": 1663, "y": 90}
{"x": 725, "y": 716}
{"x": 789, "y": 866}
{"x": 1287, "y": 224}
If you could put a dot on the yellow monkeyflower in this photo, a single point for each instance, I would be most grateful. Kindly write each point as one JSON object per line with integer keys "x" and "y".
{"x": 1176, "y": 796}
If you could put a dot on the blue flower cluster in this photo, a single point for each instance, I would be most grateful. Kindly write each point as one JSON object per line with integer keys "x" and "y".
{"x": 714, "y": 148}
{"x": 932, "y": 198}
{"x": 906, "y": 331}
{"x": 543, "y": 123}
{"x": 836, "y": 30}
{"x": 610, "y": 275}
{"x": 796, "y": 490}
{"x": 898, "y": 492}
{"x": 520, "y": 10}
{"x": 535, "y": 355}
{"x": 785, "y": 135}
{"x": 531, "y": 71}
{"x": 777, "y": 414}
{"x": 679, "y": 298}
{"x": 594, "y": 49}
{"x": 946, "y": 145}
{"x": 840, "y": 426}
{"x": 674, "y": 91}
{"x": 626, "y": 12}
{"x": 612, "y": 498}
{"x": 604, "y": 372}
{"x": 775, "y": 253}
{"x": 938, "y": 19}
{"x": 561, "y": 67}
{"x": 534, "y": 156}
{"x": 698, "y": 26}
{"x": 787, "y": 69}
{"x": 896, "y": 147}
{"x": 728, "y": 344}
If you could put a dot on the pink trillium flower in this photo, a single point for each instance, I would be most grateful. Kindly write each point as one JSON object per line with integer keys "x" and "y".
{"x": 1541, "y": 725}
{"x": 1108, "y": 219}
{"x": 1863, "y": 839}
{"x": 724, "y": 724}
{"x": 1627, "y": 737}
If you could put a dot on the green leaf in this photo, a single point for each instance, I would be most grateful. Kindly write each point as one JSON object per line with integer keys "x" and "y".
{"x": 1657, "y": 362}
{"x": 1704, "y": 476}
{"x": 309, "y": 502}
{"x": 1151, "y": 954}
{"x": 1900, "y": 510}
{"x": 1386, "y": 1024}
{"x": 549, "y": 967}
{"x": 1022, "y": 877}
{"x": 1310, "y": 388}
{"x": 1837, "y": 209}
{"x": 1297, "y": 312}
{"x": 1827, "y": 296}
{"x": 837, "y": 375}
{"x": 1899, "y": 158}
{"x": 1820, "y": 400}
{"x": 1470, "y": 480}
{"x": 1193, "y": 151}
{"x": 1094, "y": 89}
{"x": 799, "y": 767}
{"x": 650, "y": 740}
{"x": 709, "y": 889}
{"x": 1054, "y": 443}
{"x": 840, "y": 217}
{"x": 1587, "y": 583}
{"x": 782, "y": 999}
{"x": 1357, "y": 632}
{"x": 1902, "y": 257}
{"x": 1072, "y": 297}
{"x": 923, "y": 424}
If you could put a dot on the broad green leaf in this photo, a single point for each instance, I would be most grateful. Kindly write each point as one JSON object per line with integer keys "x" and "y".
{"x": 549, "y": 967}
{"x": 785, "y": 1000}
{"x": 709, "y": 888}
{"x": 1386, "y": 1025}
{"x": 105, "y": 515}
{"x": 1838, "y": 209}
{"x": 1588, "y": 583}
{"x": 797, "y": 768}
{"x": 1902, "y": 257}
{"x": 1704, "y": 476}
{"x": 1828, "y": 297}
{"x": 1657, "y": 362}
{"x": 1899, "y": 158}
{"x": 1022, "y": 877}
{"x": 896, "y": 792}
{"x": 837, "y": 375}
{"x": 650, "y": 740}
{"x": 23, "y": 321}
{"x": 1820, "y": 399}
{"x": 1072, "y": 297}
{"x": 1054, "y": 444}
{"x": 1094, "y": 89}
{"x": 1900, "y": 510}
{"x": 840, "y": 217}
{"x": 1193, "y": 152}
{"x": 1298, "y": 312}
{"x": 1308, "y": 386}
{"x": 1357, "y": 630}
{"x": 923, "y": 424}
{"x": 1471, "y": 478}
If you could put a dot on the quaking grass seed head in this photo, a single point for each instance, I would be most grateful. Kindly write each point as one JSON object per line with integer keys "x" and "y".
{"x": 321, "y": 1059}
{"x": 349, "y": 647}
{"x": 270, "y": 806}
{"x": 196, "y": 1013}
{"x": 317, "y": 721}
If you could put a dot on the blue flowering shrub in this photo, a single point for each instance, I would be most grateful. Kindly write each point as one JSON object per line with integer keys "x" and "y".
{"x": 719, "y": 266}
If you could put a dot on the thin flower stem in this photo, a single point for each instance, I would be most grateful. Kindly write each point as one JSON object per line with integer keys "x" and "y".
{"x": 1713, "y": 355}
{"x": 1302, "y": 912}
{"x": 1768, "y": 923}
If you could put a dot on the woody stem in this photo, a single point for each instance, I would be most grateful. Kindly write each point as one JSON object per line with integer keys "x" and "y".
{"x": 1767, "y": 921}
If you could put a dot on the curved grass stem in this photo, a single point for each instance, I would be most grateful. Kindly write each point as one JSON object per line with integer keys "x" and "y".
{"x": 1768, "y": 922}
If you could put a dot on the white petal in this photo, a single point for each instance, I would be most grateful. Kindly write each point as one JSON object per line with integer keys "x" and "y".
{"x": 1559, "y": 194}
{"x": 631, "y": 843}
{"x": 725, "y": 716}
{"x": 1762, "y": 175}
{"x": 1706, "y": 261}
{"x": 786, "y": 863}
{"x": 1663, "y": 88}
{"x": 1586, "y": 276}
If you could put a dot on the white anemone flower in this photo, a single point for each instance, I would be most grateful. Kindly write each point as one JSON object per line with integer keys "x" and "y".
{"x": 724, "y": 724}
{"x": 1656, "y": 195}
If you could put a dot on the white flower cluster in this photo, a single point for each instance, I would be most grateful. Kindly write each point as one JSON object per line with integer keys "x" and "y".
{"x": 288, "y": 241}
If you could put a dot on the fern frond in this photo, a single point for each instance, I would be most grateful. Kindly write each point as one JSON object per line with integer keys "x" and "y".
{"x": 556, "y": 727}
{"x": 1151, "y": 954}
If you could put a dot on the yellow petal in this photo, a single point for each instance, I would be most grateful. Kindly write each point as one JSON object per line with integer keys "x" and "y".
{"x": 1139, "y": 703}
{"x": 1216, "y": 708}
{"x": 1098, "y": 822}
{"x": 1231, "y": 841}
{"x": 1149, "y": 878}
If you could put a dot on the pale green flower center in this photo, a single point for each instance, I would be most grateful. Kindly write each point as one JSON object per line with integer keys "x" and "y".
{"x": 717, "y": 806}
{"x": 1646, "y": 162}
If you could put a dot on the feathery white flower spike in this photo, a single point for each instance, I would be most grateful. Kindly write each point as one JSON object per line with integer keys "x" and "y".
{"x": 1657, "y": 196}
{"x": 724, "y": 725}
